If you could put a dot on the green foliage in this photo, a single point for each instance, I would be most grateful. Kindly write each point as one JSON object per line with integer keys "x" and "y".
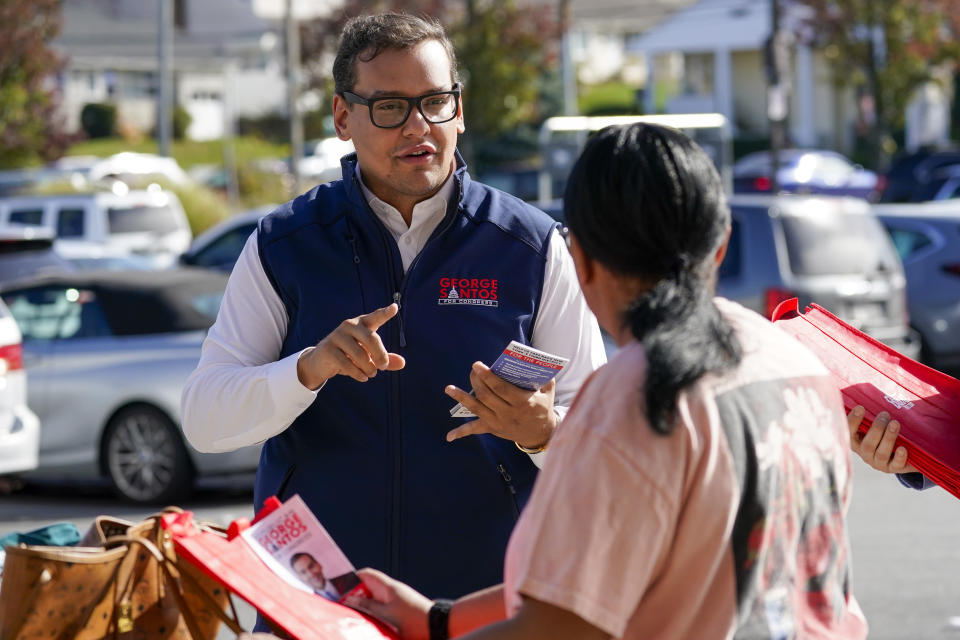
{"x": 611, "y": 98}
{"x": 99, "y": 120}
{"x": 30, "y": 129}
{"x": 259, "y": 187}
{"x": 910, "y": 41}
{"x": 181, "y": 122}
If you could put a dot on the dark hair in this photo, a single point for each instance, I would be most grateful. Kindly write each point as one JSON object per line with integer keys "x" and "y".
{"x": 646, "y": 201}
{"x": 302, "y": 554}
{"x": 365, "y": 37}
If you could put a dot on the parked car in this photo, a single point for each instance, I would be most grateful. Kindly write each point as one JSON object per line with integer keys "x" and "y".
{"x": 927, "y": 237}
{"x": 106, "y": 355}
{"x": 19, "y": 426}
{"x": 27, "y": 252}
{"x": 219, "y": 246}
{"x": 941, "y": 183}
{"x": 150, "y": 223}
{"x": 831, "y": 251}
{"x": 321, "y": 158}
{"x": 909, "y": 175}
{"x": 804, "y": 171}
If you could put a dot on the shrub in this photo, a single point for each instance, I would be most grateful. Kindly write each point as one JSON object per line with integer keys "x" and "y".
{"x": 99, "y": 119}
{"x": 181, "y": 122}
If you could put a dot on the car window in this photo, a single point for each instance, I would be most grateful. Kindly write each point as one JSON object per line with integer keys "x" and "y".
{"x": 70, "y": 223}
{"x": 907, "y": 241}
{"x": 226, "y": 249}
{"x": 51, "y": 313}
{"x": 154, "y": 219}
{"x": 836, "y": 244}
{"x": 33, "y": 217}
{"x": 731, "y": 265}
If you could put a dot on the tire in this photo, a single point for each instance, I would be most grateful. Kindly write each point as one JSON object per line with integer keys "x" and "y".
{"x": 145, "y": 458}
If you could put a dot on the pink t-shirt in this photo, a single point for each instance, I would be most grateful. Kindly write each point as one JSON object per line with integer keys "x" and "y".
{"x": 731, "y": 526}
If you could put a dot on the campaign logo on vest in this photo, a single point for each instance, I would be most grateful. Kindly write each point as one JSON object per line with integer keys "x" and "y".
{"x": 481, "y": 292}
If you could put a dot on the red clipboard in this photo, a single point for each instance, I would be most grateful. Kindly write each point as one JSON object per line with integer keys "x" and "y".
{"x": 232, "y": 563}
{"x": 925, "y": 401}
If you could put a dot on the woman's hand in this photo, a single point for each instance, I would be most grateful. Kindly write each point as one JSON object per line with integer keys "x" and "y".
{"x": 395, "y": 603}
{"x": 876, "y": 446}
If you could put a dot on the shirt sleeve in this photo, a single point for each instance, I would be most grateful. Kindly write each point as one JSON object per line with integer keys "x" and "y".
{"x": 576, "y": 545}
{"x": 240, "y": 393}
{"x": 566, "y": 327}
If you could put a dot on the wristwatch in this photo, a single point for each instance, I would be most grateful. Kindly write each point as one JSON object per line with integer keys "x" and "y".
{"x": 438, "y": 619}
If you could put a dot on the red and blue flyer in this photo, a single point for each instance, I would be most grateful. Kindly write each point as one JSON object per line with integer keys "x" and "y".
{"x": 522, "y": 366}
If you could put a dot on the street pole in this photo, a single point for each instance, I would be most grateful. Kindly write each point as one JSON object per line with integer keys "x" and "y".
{"x": 164, "y": 76}
{"x": 567, "y": 74}
{"x": 229, "y": 127}
{"x": 776, "y": 98}
{"x": 293, "y": 94}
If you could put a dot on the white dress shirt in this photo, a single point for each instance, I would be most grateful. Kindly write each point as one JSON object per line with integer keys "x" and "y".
{"x": 240, "y": 394}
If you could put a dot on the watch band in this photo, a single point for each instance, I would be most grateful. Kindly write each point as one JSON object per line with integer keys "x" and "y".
{"x": 438, "y": 619}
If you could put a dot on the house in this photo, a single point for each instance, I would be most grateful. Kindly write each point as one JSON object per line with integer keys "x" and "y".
{"x": 224, "y": 58}
{"x": 714, "y": 50}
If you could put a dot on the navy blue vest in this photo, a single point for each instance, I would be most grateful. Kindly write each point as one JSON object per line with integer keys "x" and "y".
{"x": 370, "y": 459}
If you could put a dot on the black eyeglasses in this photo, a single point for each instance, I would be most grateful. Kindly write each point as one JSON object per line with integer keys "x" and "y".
{"x": 390, "y": 112}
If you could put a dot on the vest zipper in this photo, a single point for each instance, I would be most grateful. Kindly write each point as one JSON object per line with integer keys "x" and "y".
{"x": 508, "y": 480}
{"x": 356, "y": 262}
{"x": 403, "y": 337}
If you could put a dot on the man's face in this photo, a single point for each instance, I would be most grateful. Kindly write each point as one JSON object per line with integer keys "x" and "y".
{"x": 409, "y": 163}
{"x": 310, "y": 571}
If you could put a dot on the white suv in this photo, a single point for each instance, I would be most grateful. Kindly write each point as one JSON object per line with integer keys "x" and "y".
{"x": 151, "y": 223}
{"x": 19, "y": 426}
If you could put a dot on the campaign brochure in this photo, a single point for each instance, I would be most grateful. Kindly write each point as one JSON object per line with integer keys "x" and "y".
{"x": 295, "y": 546}
{"x": 523, "y": 366}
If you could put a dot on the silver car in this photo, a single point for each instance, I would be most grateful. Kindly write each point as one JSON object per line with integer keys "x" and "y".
{"x": 828, "y": 250}
{"x": 106, "y": 355}
{"x": 927, "y": 237}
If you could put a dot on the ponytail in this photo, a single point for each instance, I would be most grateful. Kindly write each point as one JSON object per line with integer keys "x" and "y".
{"x": 684, "y": 337}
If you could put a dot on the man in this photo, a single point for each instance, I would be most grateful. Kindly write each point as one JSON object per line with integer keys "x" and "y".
{"x": 310, "y": 571}
{"x": 407, "y": 269}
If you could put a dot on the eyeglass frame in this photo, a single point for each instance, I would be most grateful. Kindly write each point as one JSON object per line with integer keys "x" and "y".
{"x": 353, "y": 98}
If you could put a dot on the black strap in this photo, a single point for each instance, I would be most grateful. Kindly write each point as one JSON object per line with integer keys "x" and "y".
{"x": 438, "y": 619}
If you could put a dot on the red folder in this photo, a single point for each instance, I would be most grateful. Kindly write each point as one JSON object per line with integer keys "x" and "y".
{"x": 231, "y": 562}
{"x": 871, "y": 374}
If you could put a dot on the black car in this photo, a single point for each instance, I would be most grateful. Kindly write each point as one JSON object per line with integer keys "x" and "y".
{"x": 911, "y": 175}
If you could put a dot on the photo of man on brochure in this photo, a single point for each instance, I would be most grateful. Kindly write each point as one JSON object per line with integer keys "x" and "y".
{"x": 310, "y": 571}
{"x": 293, "y": 543}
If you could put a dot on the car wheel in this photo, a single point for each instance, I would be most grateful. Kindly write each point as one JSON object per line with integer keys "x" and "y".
{"x": 145, "y": 457}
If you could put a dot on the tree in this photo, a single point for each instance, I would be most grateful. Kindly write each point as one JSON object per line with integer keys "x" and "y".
{"x": 502, "y": 52}
{"x": 29, "y": 126}
{"x": 885, "y": 50}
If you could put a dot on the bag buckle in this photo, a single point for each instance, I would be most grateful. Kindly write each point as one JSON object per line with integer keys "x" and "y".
{"x": 125, "y": 619}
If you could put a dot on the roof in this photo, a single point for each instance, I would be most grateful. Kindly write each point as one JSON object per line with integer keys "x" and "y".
{"x": 731, "y": 24}
{"x": 124, "y": 33}
{"x": 146, "y": 302}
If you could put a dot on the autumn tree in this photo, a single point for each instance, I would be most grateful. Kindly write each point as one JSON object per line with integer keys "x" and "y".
{"x": 502, "y": 50}
{"x": 886, "y": 49}
{"x": 29, "y": 126}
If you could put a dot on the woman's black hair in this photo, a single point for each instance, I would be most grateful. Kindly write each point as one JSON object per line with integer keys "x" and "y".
{"x": 646, "y": 201}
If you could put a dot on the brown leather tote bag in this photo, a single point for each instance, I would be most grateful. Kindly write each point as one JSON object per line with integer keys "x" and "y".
{"x": 132, "y": 587}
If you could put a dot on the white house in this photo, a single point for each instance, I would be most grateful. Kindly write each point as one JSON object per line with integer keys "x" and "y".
{"x": 718, "y": 50}
{"x": 223, "y": 57}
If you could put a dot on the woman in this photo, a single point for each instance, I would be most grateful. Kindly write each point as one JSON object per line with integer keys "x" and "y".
{"x": 688, "y": 493}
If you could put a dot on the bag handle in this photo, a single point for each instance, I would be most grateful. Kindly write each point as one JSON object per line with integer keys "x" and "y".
{"x": 173, "y": 577}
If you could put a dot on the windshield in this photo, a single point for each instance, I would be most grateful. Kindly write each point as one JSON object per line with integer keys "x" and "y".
{"x": 152, "y": 219}
{"x": 837, "y": 244}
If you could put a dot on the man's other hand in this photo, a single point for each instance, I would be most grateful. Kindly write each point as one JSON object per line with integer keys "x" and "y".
{"x": 876, "y": 446}
{"x": 353, "y": 349}
{"x": 526, "y": 417}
